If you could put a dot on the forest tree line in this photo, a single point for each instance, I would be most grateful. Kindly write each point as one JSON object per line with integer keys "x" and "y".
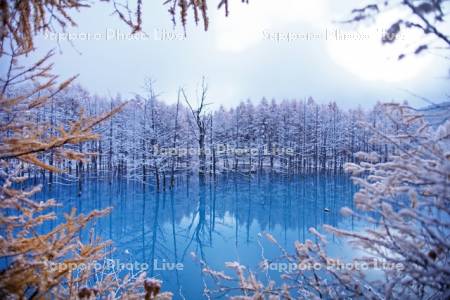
{"x": 154, "y": 142}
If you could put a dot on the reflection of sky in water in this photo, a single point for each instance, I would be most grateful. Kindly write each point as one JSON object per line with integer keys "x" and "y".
{"x": 218, "y": 222}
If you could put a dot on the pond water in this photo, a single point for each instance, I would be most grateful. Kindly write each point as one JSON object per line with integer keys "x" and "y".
{"x": 219, "y": 221}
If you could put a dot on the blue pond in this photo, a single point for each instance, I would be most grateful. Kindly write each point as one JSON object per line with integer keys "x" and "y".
{"x": 218, "y": 221}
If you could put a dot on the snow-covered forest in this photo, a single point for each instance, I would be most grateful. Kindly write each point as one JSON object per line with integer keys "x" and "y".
{"x": 152, "y": 141}
{"x": 270, "y": 198}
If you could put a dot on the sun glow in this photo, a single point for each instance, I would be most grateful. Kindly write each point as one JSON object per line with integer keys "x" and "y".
{"x": 366, "y": 57}
{"x": 244, "y": 26}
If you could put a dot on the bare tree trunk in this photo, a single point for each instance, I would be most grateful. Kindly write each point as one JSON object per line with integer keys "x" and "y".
{"x": 80, "y": 173}
{"x": 214, "y": 161}
{"x": 202, "y": 154}
{"x": 110, "y": 154}
{"x": 157, "y": 178}
{"x": 174, "y": 144}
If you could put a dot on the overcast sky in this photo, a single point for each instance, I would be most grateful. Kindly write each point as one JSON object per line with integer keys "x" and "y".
{"x": 241, "y": 58}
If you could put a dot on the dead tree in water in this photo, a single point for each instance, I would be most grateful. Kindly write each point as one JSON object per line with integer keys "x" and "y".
{"x": 200, "y": 121}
